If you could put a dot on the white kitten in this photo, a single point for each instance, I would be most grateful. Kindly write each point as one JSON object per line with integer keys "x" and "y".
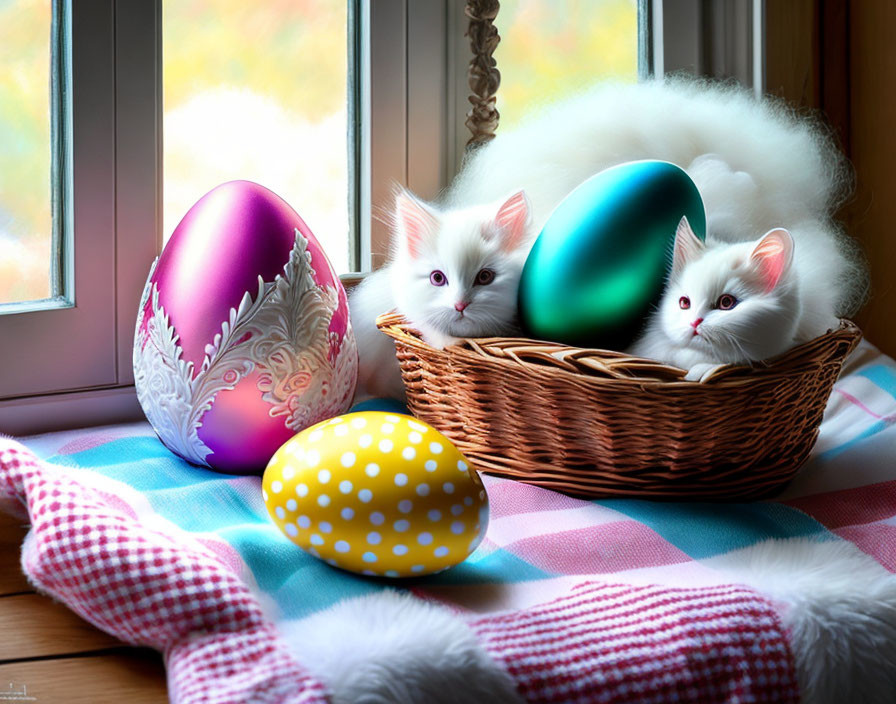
{"x": 725, "y": 303}
{"x": 452, "y": 274}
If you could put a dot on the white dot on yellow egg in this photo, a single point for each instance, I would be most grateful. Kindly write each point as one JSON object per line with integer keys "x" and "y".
{"x": 400, "y": 479}
{"x": 348, "y": 459}
{"x": 462, "y": 466}
{"x": 415, "y": 437}
{"x": 468, "y": 500}
{"x": 316, "y": 539}
{"x": 304, "y": 522}
{"x": 457, "y": 527}
{"x": 409, "y": 453}
{"x": 434, "y": 515}
{"x": 368, "y": 557}
{"x": 365, "y": 440}
{"x": 315, "y": 436}
{"x": 264, "y": 495}
{"x": 348, "y": 513}
{"x": 323, "y": 500}
{"x": 291, "y": 530}
{"x": 365, "y": 495}
{"x": 372, "y": 470}
{"x": 393, "y": 419}
{"x": 448, "y": 488}
{"x": 289, "y": 472}
{"x": 276, "y": 487}
{"x": 424, "y": 538}
{"x": 405, "y": 506}
{"x": 374, "y": 538}
{"x": 435, "y": 448}
{"x": 417, "y": 568}
{"x": 457, "y": 509}
{"x": 302, "y": 489}
{"x": 323, "y": 476}
{"x": 358, "y": 423}
{"x": 401, "y": 526}
{"x": 417, "y": 426}
{"x": 377, "y": 518}
{"x": 281, "y": 514}
{"x": 431, "y": 465}
{"x": 400, "y": 550}
{"x": 345, "y": 486}
{"x": 423, "y": 490}
{"x": 387, "y": 428}
{"x": 440, "y": 551}
{"x": 391, "y": 573}
{"x": 386, "y": 445}
{"x": 291, "y": 505}
{"x": 342, "y": 546}
{"x": 312, "y": 458}
{"x": 340, "y": 430}
{"x": 325, "y": 527}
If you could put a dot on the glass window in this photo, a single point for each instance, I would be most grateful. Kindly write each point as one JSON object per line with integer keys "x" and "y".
{"x": 258, "y": 91}
{"x": 552, "y": 48}
{"x": 26, "y": 206}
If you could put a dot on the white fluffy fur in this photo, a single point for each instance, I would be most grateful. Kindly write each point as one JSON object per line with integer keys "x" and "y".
{"x": 837, "y": 604}
{"x": 756, "y": 164}
{"x": 392, "y": 648}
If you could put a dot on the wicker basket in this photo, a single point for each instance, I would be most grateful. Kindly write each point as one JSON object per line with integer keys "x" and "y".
{"x": 601, "y": 424}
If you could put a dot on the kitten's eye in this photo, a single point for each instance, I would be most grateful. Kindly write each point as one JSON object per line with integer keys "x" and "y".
{"x": 684, "y": 302}
{"x": 437, "y": 278}
{"x": 726, "y": 302}
{"x": 484, "y": 277}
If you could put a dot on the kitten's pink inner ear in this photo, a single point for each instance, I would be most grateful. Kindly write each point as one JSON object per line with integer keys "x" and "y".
{"x": 512, "y": 219}
{"x": 415, "y": 222}
{"x": 772, "y": 256}
{"x": 688, "y": 246}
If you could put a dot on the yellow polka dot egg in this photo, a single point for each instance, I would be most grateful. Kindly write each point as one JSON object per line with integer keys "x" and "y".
{"x": 377, "y": 493}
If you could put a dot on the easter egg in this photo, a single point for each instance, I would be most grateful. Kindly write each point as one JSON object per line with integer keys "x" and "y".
{"x": 600, "y": 263}
{"x": 377, "y": 493}
{"x": 243, "y": 335}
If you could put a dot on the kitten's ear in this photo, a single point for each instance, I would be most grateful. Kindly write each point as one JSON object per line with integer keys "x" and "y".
{"x": 772, "y": 256}
{"x": 512, "y": 220}
{"x": 688, "y": 246}
{"x": 414, "y": 222}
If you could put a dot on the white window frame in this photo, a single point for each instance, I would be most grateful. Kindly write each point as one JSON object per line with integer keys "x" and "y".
{"x": 71, "y": 366}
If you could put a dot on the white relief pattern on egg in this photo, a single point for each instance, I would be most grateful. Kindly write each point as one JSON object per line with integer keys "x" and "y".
{"x": 358, "y": 423}
{"x": 424, "y": 538}
{"x": 291, "y": 505}
{"x": 372, "y": 469}
{"x": 289, "y": 472}
{"x": 323, "y": 500}
{"x": 468, "y": 500}
{"x": 340, "y": 430}
{"x": 457, "y": 509}
{"x": 302, "y": 489}
{"x": 323, "y": 476}
{"x": 315, "y": 436}
{"x": 312, "y": 458}
{"x": 342, "y": 546}
{"x": 457, "y": 527}
{"x": 401, "y": 479}
{"x": 431, "y": 465}
{"x": 348, "y": 513}
{"x": 345, "y": 486}
{"x": 435, "y": 448}
{"x": 415, "y": 437}
{"x": 365, "y": 495}
{"x": 348, "y": 459}
{"x": 462, "y": 466}
{"x": 316, "y": 539}
{"x": 387, "y": 428}
{"x": 417, "y": 568}
{"x": 393, "y": 419}
{"x": 386, "y": 445}
{"x": 377, "y": 518}
{"x": 365, "y": 440}
{"x": 401, "y": 526}
{"x": 417, "y": 426}
{"x": 332, "y": 562}
{"x": 400, "y": 550}
{"x": 276, "y": 487}
{"x": 434, "y": 515}
{"x": 281, "y": 514}
{"x": 405, "y": 505}
{"x": 440, "y": 551}
{"x": 423, "y": 489}
{"x": 391, "y": 573}
{"x": 374, "y": 538}
{"x": 291, "y": 530}
{"x": 264, "y": 495}
{"x": 409, "y": 453}
{"x": 368, "y": 557}
{"x": 314, "y": 551}
{"x": 325, "y": 527}
{"x": 304, "y": 522}
{"x": 448, "y": 488}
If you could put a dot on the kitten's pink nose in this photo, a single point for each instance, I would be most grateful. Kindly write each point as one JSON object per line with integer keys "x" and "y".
{"x": 696, "y": 323}
{"x": 460, "y": 305}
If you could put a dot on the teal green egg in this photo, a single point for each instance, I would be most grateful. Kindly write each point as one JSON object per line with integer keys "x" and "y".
{"x": 601, "y": 261}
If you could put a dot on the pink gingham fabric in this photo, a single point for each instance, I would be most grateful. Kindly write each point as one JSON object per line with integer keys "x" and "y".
{"x": 150, "y": 588}
{"x": 610, "y": 644}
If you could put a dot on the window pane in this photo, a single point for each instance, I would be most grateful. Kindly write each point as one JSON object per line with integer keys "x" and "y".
{"x": 257, "y": 91}
{"x": 26, "y": 214}
{"x": 552, "y": 48}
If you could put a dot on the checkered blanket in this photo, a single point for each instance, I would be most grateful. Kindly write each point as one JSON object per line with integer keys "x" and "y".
{"x": 596, "y": 600}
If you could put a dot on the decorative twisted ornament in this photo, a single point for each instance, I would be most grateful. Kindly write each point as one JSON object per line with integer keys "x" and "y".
{"x": 484, "y": 77}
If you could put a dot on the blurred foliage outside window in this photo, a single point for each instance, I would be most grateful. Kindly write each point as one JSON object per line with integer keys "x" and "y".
{"x": 26, "y": 216}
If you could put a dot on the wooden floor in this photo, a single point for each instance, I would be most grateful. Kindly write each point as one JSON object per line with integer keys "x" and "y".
{"x": 50, "y": 656}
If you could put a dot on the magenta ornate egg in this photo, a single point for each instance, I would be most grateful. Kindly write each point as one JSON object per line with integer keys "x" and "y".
{"x": 243, "y": 336}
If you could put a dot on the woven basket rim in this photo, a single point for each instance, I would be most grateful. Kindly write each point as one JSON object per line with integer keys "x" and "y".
{"x": 597, "y": 364}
